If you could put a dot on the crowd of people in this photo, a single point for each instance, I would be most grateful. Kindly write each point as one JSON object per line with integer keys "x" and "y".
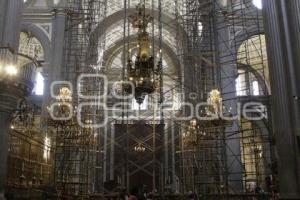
{"x": 141, "y": 194}
{"x": 136, "y": 194}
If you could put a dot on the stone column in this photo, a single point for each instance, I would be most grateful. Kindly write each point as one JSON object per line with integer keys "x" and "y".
{"x": 5, "y": 118}
{"x": 166, "y": 152}
{"x": 58, "y": 41}
{"x": 232, "y": 141}
{"x": 227, "y": 74}
{"x": 12, "y": 89}
{"x": 282, "y": 23}
{"x": 112, "y": 152}
{"x": 3, "y": 5}
{"x": 10, "y": 17}
{"x": 10, "y": 23}
{"x": 173, "y": 153}
{"x": 53, "y": 69}
{"x": 7, "y": 105}
{"x": 105, "y": 155}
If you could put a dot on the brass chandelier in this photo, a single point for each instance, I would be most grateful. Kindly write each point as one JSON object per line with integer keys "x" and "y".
{"x": 141, "y": 73}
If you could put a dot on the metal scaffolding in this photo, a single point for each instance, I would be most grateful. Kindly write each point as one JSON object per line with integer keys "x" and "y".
{"x": 224, "y": 37}
{"x": 210, "y": 46}
{"x": 199, "y": 46}
{"x": 76, "y": 145}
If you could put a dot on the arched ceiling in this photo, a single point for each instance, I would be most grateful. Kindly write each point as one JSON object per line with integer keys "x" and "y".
{"x": 110, "y": 32}
{"x": 171, "y": 66}
{"x": 112, "y": 26}
{"x": 115, "y": 32}
{"x": 253, "y": 52}
{"x": 40, "y": 3}
{"x": 169, "y": 7}
{"x": 31, "y": 47}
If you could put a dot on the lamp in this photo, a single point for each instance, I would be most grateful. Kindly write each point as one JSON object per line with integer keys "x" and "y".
{"x": 11, "y": 70}
{"x": 215, "y": 102}
{"x": 141, "y": 72}
{"x": 193, "y": 133}
{"x": 8, "y": 70}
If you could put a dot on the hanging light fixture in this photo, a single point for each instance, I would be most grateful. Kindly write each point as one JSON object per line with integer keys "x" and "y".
{"x": 215, "y": 102}
{"x": 141, "y": 73}
{"x": 194, "y": 133}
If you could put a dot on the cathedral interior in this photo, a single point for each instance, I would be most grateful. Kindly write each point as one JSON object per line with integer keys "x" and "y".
{"x": 161, "y": 99}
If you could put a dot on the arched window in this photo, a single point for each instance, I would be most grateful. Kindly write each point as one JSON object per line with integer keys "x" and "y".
{"x": 32, "y": 47}
{"x": 39, "y": 84}
{"x": 200, "y": 29}
{"x": 255, "y": 88}
{"x": 240, "y": 84}
{"x": 257, "y": 3}
{"x": 247, "y": 84}
{"x": 252, "y": 58}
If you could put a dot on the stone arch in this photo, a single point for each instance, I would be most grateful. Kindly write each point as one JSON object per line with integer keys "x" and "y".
{"x": 244, "y": 35}
{"x": 119, "y": 15}
{"x": 241, "y": 37}
{"x": 41, "y": 36}
{"x": 173, "y": 58}
{"x": 109, "y": 21}
{"x": 261, "y": 81}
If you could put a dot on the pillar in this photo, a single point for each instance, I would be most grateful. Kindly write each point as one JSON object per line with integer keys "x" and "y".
{"x": 10, "y": 23}
{"x": 11, "y": 91}
{"x": 166, "y": 152}
{"x": 58, "y": 41}
{"x": 105, "y": 155}
{"x": 282, "y": 29}
{"x": 112, "y": 152}
{"x": 10, "y": 17}
{"x": 234, "y": 167}
{"x": 173, "y": 153}
{"x": 227, "y": 74}
{"x": 5, "y": 118}
{"x": 52, "y": 70}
